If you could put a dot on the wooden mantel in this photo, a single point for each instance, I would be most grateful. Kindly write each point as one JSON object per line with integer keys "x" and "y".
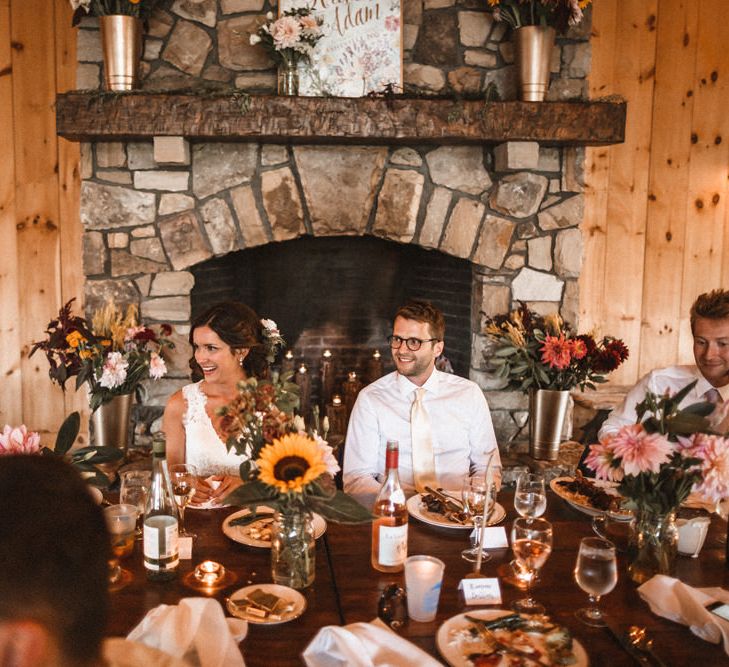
{"x": 91, "y": 116}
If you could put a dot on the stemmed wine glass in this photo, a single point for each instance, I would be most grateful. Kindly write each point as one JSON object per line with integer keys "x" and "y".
{"x": 531, "y": 542}
{"x": 596, "y": 573}
{"x": 133, "y": 491}
{"x": 530, "y": 499}
{"x": 183, "y": 477}
{"x": 474, "y": 495}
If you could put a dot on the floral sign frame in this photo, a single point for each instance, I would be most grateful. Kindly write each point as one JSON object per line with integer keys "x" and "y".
{"x": 360, "y": 51}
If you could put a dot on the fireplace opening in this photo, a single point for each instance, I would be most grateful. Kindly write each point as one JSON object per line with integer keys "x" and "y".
{"x": 340, "y": 294}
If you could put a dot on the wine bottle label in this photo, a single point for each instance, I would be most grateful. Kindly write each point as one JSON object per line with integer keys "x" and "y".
{"x": 160, "y": 540}
{"x": 393, "y": 545}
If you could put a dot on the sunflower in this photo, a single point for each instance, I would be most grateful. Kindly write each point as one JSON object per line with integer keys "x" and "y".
{"x": 291, "y": 462}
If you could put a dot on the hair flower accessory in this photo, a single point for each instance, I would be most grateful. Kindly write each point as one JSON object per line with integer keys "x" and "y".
{"x": 272, "y": 339}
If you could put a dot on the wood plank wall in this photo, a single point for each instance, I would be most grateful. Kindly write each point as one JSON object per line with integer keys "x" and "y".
{"x": 656, "y": 225}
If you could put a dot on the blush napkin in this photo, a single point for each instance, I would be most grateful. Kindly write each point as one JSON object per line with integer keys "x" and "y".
{"x": 672, "y": 599}
{"x": 195, "y": 630}
{"x": 364, "y": 645}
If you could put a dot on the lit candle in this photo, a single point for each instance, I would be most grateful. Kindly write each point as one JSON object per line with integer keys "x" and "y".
{"x": 302, "y": 368}
{"x": 303, "y": 379}
{"x": 287, "y": 363}
{"x": 209, "y": 572}
{"x": 352, "y": 376}
{"x": 336, "y": 399}
{"x": 374, "y": 367}
{"x": 351, "y": 387}
{"x": 327, "y": 354}
{"x": 376, "y": 355}
{"x": 326, "y": 377}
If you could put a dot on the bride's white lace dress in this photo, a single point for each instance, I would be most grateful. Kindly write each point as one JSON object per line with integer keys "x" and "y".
{"x": 203, "y": 446}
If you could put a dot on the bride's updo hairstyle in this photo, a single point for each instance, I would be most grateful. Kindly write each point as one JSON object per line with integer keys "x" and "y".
{"x": 239, "y": 326}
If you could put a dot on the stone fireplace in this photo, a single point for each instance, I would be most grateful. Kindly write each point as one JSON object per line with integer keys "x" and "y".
{"x": 174, "y": 218}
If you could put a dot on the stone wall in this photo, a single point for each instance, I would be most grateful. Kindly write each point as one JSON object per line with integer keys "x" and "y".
{"x": 153, "y": 210}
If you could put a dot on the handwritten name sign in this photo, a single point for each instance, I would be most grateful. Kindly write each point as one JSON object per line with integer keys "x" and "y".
{"x": 361, "y": 50}
{"x": 481, "y": 591}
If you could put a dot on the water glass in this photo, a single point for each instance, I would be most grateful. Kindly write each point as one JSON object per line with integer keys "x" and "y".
{"x": 133, "y": 491}
{"x": 596, "y": 573}
{"x": 530, "y": 499}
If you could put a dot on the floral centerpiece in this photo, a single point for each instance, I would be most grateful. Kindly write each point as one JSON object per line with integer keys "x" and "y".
{"x": 285, "y": 469}
{"x": 657, "y": 462}
{"x": 112, "y": 355}
{"x": 138, "y": 8}
{"x": 532, "y": 351}
{"x": 558, "y": 14}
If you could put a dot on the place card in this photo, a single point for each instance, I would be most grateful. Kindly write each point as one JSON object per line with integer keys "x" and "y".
{"x": 184, "y": 546}
{"x": 495, "y": 537}
{"x": 480, "y": 591}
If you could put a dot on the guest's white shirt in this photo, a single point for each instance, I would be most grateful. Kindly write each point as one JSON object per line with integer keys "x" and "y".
{"x": 660, "y": 380}
{"x": 462, "y": 431}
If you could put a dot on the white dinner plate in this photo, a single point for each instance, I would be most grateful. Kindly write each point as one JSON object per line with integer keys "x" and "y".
{"x": 288, "y": 594}
{"x": 241, "y": 534}
{"x": 419, "y": 511}
{"x": 453, "y": 652}
{"x": 585, "y": 507}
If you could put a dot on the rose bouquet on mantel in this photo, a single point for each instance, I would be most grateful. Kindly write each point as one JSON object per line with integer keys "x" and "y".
{"x": 140, "y": 9}
{"x": 291, "y": 38}
{"x": 558, "y": 14}
{"x": 532, "y": 351}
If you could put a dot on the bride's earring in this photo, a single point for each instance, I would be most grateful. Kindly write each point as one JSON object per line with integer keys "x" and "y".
{"x": 241, "y": 359}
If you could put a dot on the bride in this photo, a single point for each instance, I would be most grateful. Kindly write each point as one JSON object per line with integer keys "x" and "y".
{"x": 229, "y": 345}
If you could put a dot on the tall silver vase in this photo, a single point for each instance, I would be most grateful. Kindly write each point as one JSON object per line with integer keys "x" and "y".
{"x": 547, "y": 410}
{"x": 533, "y": 50}
{"x": 110, "y": 422}
{"x": 121, "y": 43}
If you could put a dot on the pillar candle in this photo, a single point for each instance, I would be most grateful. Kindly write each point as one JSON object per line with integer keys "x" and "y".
{"x": 287, "y": 363}
{"x": 374, "y": 367}
{"x": 337, "y": 415}
{"x": 351, "y": 387}
{"x": 326, "y": 376}
{"x": 303, "y": 379}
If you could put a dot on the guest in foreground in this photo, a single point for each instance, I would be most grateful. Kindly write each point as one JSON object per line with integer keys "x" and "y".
{"x": 441, "y": 421}
{"x": 228, "y": 342}
{"x": 53, "y": 565}
{"x": 710, "y": 329}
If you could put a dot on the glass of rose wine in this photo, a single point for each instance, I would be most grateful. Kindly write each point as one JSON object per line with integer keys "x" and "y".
{"x": 183, "y": 477}
{"x": 596, "y": 573}
{"x": 531, "y": 542}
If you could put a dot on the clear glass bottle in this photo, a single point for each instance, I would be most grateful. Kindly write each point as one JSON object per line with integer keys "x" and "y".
{"x": 161, "y": 556}
{"x": 390, "y": 525}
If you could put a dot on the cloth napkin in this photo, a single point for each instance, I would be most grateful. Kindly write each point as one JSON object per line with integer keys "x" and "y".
{"x": 195, "y": 630}
{"x": 672, "y": 599}
{"x": 212, "y": 503}
{"x": 363, "y": 645}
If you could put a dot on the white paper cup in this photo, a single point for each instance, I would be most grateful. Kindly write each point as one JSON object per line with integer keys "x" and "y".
{"x": 423, "y": 579}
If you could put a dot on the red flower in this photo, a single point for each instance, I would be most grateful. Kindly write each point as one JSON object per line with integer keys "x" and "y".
{"x": 611, "y": 356}
{"x": 556, "y": 351}
{"x": 579, "y": 348}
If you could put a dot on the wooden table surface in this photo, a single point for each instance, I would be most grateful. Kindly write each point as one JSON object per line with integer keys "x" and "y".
{"x": 347, "y": 588}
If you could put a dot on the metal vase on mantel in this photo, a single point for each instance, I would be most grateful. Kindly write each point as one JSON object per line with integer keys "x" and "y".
{"x": 121, "y": 43}
{"x": 547, "y": 410}
{"x": 110, "y": 422}
{"x": 533, "y": 51}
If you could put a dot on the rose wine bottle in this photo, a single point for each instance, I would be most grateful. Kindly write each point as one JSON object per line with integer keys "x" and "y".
{"x": 161, "y": 555}
{"x": 390, "y": 525}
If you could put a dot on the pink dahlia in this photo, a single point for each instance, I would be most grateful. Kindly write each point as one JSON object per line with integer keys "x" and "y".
{"x": 713, "y": 450}
{"x": 19, "y": 440}
{"x": 115, "y": 371}
{"x": 556, "y": 351}
{"x": 157, "y": 367}
{"x": 639, "y": 451}
{"x": 600, "y": 459}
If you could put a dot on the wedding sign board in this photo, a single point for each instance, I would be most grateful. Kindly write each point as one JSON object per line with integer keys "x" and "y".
{"x": 361, "y": 50}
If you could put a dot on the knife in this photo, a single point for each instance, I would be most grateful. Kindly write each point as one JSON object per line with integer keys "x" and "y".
{"x": 628, "y": 647}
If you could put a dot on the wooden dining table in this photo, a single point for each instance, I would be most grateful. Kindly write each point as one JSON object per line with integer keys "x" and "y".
{"x": 347, "y": 589}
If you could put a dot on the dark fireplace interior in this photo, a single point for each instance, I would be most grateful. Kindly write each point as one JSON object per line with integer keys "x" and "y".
{"x": 340, "y": 294}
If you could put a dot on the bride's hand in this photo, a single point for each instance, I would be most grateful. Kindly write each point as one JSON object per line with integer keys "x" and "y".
{"x": 203, "y": 491}
{"x": 227, "y": 484}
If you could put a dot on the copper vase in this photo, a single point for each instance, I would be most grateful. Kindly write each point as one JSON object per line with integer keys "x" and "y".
{"x": 533, "y": 50}
{"x": 121, "y": 43}
{"x": 547, "y": 411}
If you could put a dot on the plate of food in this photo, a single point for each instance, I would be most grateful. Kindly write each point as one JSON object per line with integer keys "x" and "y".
{"x": 591, "y": 496}
{"x": 500, "y": 638}
{"x": 266, "y": 604}
{"x": 254, "y": 530}
{"x": 430, "y": 509}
